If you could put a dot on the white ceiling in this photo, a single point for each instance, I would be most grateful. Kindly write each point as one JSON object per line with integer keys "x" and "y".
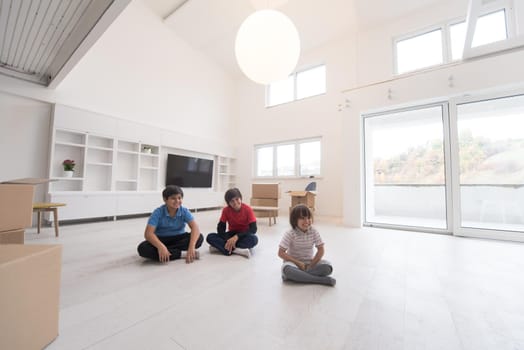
{"x": 210, "y": 26}
{"x": 42, "y": 40}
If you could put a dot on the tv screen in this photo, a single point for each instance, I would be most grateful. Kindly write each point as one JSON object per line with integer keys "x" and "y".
{"x": 189, "y": 171}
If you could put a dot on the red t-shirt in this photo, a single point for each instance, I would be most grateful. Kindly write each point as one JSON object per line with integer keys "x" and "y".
{"x": 238, "y": 221}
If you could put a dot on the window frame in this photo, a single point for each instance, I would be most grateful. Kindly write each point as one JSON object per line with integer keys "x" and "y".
{"x": 274, "y": 146}
{"x": 418, "y": 33}
{"x": 476, "y": 11}
{"x": 294, "y": 76}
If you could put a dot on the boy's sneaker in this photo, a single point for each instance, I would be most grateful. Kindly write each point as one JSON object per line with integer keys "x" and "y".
{"x": 213, "y": 249}
{"x": 242, "y": 251}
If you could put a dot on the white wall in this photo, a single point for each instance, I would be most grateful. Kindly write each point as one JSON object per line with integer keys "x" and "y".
{"x": 139, "y": 70}
{"x": 311, "y": 117}
{"x": 24, "y": 129}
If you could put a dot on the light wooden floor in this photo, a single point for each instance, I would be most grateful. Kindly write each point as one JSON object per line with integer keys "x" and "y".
{"x": 395, "y": 290}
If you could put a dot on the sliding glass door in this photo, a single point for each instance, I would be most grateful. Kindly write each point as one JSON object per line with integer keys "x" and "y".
{"x": 490, "y": 136}
{"x": 455, "y": 167}
{"x": 405, "y": 173}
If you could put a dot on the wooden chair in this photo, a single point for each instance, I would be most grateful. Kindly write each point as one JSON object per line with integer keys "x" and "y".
{"x": 43, "y": 207}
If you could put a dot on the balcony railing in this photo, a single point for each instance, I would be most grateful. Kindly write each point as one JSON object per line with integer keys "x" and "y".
{"x": 498, "y": 206}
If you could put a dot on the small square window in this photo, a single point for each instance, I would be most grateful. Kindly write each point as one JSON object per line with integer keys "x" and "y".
{"x": 311, "y": 82}
{"x": 281, "y": 91}
{"x": 418, "y": 52}
{"x": 306, "y": 83}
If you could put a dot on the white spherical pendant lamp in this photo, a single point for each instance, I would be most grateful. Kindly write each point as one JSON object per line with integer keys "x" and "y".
{"x": 267, "y": 46}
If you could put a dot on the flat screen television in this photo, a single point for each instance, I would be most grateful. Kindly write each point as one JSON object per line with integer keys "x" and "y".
{"x": 189, "y": 171}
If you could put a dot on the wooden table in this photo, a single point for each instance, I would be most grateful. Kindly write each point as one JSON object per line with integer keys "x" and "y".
{"x": 40, "y": 207}
{"x": 272, "y": 212}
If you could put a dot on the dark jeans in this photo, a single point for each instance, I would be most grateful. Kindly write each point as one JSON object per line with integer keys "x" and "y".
{"x": 218, "y": 240}
{"x": 175, "y": 245}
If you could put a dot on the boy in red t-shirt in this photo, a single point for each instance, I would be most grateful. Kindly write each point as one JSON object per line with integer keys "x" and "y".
{"x": 242, "y": 222}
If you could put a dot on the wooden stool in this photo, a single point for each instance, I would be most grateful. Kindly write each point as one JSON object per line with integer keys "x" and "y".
{"x": 43, "y": 207}
{"x": 272, "y": 212}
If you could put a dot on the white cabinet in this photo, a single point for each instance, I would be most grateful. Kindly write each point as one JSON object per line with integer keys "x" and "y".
{"x": 85, "y": 205}
{"x": 226, "y": 176}
{"x": 137, "y": 203}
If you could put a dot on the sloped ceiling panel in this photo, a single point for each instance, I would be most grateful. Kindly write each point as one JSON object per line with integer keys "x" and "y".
{"x": 38, "y": 38}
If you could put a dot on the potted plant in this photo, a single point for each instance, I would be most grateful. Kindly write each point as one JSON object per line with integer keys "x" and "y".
{"x": 69, "y": 167}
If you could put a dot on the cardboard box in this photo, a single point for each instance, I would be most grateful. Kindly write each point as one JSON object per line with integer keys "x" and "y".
{"x": 264, "y": 202}
{"x": 29, "y": 296}
{"x": 16, "y": 206}
{"x": 16, "y": 203}
{"x": 270, "y": 190}
{"x": 12, "y": 237}
{"x": 302, "y": 197}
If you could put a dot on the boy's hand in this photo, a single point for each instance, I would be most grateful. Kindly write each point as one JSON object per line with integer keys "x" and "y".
{"x": 231, "y": 243}
{"x": 163, "y": 254}
{"x": 191, "y": 255}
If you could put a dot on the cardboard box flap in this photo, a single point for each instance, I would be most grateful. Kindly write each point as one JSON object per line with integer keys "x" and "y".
{"x": 28, "y": 181}
{"x": 300, "y": 193}
{"x": 12, "y": 237}
{"x": 15, "y": 252}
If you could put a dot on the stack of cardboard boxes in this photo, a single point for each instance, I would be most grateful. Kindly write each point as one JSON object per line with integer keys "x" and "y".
{"x": 265, "y": 195}
{"x": 29, "y": 274}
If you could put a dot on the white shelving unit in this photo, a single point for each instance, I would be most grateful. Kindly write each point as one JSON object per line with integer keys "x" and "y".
{"x": 106, "y": 168}
{"x": 226, "y": 176}
{"x": 68, "y": 145}
{"x": 149, "y": 164}
{"x": 118, "y": 165}
{"x": 98, "y": 163}
{"x": 93, "y": 156}
{"x": 126, "y": 178}
{"x": 103, "y": 163}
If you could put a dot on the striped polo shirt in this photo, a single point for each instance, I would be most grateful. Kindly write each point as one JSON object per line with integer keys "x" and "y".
{"x": 300, "y": 244}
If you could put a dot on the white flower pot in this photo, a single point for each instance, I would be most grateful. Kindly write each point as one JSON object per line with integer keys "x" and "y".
{"x": 68, "y": 173}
